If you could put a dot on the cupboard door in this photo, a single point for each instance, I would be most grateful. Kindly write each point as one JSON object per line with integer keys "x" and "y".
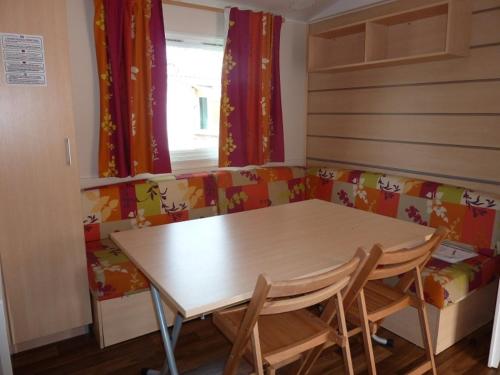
{"x": 41, "y": 235}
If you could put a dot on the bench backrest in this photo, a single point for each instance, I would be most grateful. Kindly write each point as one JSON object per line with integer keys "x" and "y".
{"x": 138, "y": 204}
{"x": 472, "y": 217}
{"x": 251, "y": 188}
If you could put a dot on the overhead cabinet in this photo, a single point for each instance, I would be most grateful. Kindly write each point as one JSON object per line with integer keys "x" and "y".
{"x": 437, "y": 31}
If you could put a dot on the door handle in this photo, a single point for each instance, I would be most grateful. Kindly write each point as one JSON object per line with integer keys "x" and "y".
{"x": 68, "y": 150}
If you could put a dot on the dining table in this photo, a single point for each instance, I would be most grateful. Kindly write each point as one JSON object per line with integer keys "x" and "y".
{"x": 200, "y": 266}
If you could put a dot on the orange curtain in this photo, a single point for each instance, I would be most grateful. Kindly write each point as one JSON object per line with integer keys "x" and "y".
{"x": 131, "y": 60}
{"x": 251, "y": 125}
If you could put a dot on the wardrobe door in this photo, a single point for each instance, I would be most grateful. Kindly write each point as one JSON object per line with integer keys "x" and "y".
{"x": 41, "y": 236}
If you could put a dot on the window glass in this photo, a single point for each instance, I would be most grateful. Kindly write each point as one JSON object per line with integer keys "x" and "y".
{"x": 193, "y": 99}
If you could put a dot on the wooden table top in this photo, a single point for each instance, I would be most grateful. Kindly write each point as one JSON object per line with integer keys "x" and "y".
{"x": 204, "y": 265}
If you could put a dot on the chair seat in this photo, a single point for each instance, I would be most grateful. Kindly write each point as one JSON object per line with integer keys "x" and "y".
{"x": 381, "y": 300}
{"x": 279, "y": 333}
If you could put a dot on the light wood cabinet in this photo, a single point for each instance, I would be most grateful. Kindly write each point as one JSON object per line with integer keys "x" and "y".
{"x": 431, "y": 32}
{"x": 41, "y": 234}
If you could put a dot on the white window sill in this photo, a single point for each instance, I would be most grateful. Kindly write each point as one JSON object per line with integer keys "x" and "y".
{"x": 179, "y": 167}
{"x": 193, "y": 166}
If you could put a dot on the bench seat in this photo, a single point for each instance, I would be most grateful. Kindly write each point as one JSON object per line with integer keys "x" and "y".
{"x": 111, "y": 273}
{"x": 472, "y": 218}
{"x": 446, "y": 283}
{"x": 171, "y": 199}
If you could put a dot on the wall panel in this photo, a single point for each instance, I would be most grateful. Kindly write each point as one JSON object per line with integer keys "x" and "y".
{"x": 486, "y": 27}
{"x": 469, "y": 131}
{"x": 436, "y": 120}
{"x": 437, "y": 159}
{"x": 445, "y": 98}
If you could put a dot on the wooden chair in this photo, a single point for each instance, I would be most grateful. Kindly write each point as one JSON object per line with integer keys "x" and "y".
{"x": 375, "y": 300}
{"x": 276, "y": 327}
{"x": 378, "y": 300}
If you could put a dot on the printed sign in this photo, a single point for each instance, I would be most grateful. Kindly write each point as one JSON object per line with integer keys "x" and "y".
{"x": 453, "y": 253}
{"x": 23, "y": 59}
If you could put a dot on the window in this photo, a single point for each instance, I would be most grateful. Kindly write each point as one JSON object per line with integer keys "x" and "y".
{"x": 194, "y": 69}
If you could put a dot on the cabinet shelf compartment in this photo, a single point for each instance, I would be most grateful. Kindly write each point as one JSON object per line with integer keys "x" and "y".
{"x": 437, "y": 31}
{"x": 337, "y": 47}
{"x": 415, "y": 33}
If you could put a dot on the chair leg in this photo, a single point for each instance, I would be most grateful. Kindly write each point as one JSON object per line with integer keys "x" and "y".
{"x": 342, "y": 326}
{"x": 367, "y": 337}
{"x": 309, "y": 359}
{"x": 424, "y": 321}
{"x": 257, "y": 352}
{"x": 271, "y": 371}
{"x": 327, "y": 315}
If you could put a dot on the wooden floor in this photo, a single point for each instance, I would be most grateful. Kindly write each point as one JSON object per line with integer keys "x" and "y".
{"x": 202, "y": 350}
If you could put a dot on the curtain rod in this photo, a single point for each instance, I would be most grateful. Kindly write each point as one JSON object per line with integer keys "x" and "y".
{"x": 193, "y": 6}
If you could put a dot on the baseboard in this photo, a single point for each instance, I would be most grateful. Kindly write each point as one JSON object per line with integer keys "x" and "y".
{"x": 41, "y": 341}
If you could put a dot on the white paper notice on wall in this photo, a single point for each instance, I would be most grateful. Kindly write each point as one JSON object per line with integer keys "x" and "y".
{"x": 23, "y": 59}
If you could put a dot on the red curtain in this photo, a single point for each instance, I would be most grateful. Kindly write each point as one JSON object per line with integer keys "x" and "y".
{"x": 251, "y": 123}
{"x": 131, "y": 60}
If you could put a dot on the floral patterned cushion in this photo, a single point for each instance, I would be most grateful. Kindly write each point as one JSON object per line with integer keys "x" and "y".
{"x": 446, "y": 283}
{"x": 473, "y": 218}
{"x": 111, "y": 274}
{"x": 248, "y": 189}
{"x": 138, "y": 204}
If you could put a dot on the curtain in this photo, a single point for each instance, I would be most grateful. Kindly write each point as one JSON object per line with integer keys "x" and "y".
{"x": 131, "y": 61}
{"x": 251, "y": 123}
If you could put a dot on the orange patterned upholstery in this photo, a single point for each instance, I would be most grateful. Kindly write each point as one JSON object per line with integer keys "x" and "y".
{"x": 472, "y": 217}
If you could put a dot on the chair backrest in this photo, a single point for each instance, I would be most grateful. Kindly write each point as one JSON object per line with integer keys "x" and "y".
{"x": 284, "y": 296}
{"x": 379, "y": 265}
{"x": 400, "y": 262}
{"x": 278, "y": 297}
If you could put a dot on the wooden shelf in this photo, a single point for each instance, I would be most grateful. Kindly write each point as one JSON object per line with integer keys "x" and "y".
{"x": 385, "y": 62}
{"x": 437, "y": 31}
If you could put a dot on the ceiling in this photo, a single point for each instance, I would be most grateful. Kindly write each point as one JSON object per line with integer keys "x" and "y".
{"x": 299, "y": 10}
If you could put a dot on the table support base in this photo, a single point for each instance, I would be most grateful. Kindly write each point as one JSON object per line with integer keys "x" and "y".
{"x": 168, "y": 343}
{"x": 494, "y": 358}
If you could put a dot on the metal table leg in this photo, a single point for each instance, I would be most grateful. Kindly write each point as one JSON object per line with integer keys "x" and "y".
{"x": 169, "y": 344}
{"x": 494, "y": 358}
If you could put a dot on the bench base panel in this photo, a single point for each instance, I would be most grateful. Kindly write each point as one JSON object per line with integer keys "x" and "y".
{"x": 448, "y": 325}
{"x": 121, "y": 319}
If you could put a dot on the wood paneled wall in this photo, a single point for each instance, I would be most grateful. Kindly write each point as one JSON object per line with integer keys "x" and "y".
{"x": 438, "y": 121}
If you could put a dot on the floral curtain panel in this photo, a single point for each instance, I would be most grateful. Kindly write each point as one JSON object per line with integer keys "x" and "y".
{"x": 131, "y": 59}
{"x": 251, "y": 123}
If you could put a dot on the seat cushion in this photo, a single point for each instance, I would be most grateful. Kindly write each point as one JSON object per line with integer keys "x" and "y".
{"x": 446, "y": 283}
{"x": 252, "y": 188}
{"x": 111, "y": 274}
